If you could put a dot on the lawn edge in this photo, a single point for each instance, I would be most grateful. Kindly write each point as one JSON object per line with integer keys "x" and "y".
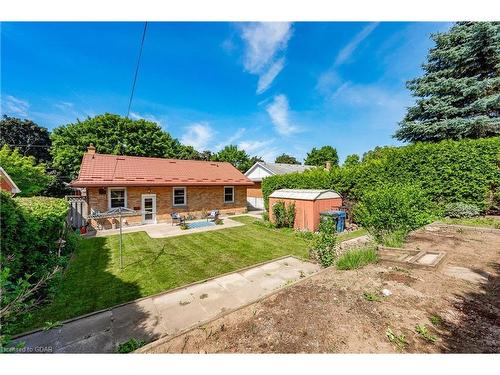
{"x": 471, "y": 228}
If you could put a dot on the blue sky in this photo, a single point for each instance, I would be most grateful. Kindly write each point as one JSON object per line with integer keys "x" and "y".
{"x": 267, "y": 87}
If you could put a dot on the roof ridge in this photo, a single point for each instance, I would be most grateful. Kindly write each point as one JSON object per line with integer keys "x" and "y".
{"x": 157, "y": 158}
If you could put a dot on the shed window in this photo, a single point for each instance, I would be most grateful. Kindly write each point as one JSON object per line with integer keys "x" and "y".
{"x": 117, "y": 198}
{"x": 179, "y": 196}
{"x": 228, "y": 194}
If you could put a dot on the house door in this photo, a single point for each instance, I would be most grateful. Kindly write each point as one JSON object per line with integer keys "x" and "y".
{"x": 148, "y": 208}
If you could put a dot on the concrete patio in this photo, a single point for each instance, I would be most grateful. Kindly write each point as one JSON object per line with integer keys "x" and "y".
{"x": 168, "y": 313}
{"x": 162, "y": 230}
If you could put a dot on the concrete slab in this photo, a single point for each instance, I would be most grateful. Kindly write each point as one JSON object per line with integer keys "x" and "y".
{"x": 171, "y": 312}
{"x": 465, "y": 274}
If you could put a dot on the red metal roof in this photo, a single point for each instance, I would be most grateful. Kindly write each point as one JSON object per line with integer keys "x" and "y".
{"x": 117, "y": 170}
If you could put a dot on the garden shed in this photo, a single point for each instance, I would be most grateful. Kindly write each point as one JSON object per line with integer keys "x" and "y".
{"x": 308, "y": 205}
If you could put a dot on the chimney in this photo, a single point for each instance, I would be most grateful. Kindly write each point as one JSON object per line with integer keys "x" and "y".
{"x": 328, "y": 165}
{"x": 91, "y": 149}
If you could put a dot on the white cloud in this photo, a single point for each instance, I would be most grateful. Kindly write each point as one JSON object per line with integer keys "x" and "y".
{"x": 268, "y": 77}
{"x": 252, "y": 146}
{"x": 239, "y": 133}
{"x": 348, "y": 50}
{"x": 279, "y": 111}
{"x": 261, "y": 148}
{"x": 264, "y": 43}
{"x": 14, "y": 106}
{"x": 198, "y": 135}
{"x": 148, "y": 117}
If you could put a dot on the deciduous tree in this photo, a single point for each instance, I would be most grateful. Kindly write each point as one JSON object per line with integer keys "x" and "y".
{"x": 319, "y": 157}
{"x": 286, "y": 159}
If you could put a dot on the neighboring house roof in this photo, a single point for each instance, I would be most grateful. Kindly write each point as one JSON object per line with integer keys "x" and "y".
{"x": 5, "y": 178}
{"x": 278, "y": 168}
{"x": 304, "y": 194}
{"x": 117, "y": 170}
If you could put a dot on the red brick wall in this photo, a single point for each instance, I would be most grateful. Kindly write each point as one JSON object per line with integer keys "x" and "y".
{"x": 199, "y": 199}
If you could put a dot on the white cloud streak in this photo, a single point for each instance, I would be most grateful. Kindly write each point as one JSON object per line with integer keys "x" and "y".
{"x": 265, "y": 43}
{"x": 148, "y": 117}
{"x": 239, "y": 133}
{"x": 198, "y": 135}
{"x": 14, "y": 106}
{"x": 279, "y": 111}
{"x": 346, "y": 52}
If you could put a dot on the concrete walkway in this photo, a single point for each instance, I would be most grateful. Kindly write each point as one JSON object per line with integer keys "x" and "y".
{"x": 168, "y": 313}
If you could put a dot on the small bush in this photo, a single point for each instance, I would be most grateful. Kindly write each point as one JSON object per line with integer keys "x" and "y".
{"x": 184, "y": 226}
{"x": 284, "y": 215}
{"x": 290, "y": 215}
{"x": 357, "y": 258}
{"x": 461, "y": 210}
{"x": 265, "y": 216}
{"x": 324, "y": 248}
{"x": 219, "y": 221}
{"x": 130, "y": 345}
{"x": 391, "y": 211}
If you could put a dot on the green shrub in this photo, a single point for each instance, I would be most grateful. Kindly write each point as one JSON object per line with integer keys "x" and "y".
{"x": 323, "y": 248}
{"x": 448, "y": 171}
{"x": 357, "y": 258}
{"x": 30, "y": 228}
{"x": 284, "y": 215}
{"x": 391, "y": 211}
{"x": 461, "y": 210}
{"x": 29, "y": 176}
{"x": 130, "y": 346}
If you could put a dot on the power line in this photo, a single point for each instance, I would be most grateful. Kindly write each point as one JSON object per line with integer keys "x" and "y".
{"x": 137, "y": 68}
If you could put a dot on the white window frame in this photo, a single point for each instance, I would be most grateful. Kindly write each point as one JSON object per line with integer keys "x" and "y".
{"x": 224, "y": 192}
{"x": 173, "y": 196}
{"x": 110, "y": 189}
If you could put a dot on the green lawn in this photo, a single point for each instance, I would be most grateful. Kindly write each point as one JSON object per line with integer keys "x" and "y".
{"x": 93, "y": 280}
{"x": 350, "y": 235}
{"x": 487, "y": 222}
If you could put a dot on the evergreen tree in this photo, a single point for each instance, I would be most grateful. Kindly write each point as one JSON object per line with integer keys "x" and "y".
{"x": 458, "y": 95}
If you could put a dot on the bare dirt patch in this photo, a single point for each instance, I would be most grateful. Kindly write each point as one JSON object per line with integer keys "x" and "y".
{"x": 328, "y": 313}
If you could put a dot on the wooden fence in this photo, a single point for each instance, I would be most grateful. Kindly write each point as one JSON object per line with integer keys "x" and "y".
{"x": 77, "y": 215}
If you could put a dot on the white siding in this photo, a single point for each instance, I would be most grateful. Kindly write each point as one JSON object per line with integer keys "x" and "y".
{"x": 257, "y": 203}
{"x": 258, "y": 174}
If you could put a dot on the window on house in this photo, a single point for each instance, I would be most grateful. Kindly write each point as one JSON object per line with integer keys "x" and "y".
{"x": 179, "y": 196}
{"x": 117, "y": 198}
{"x": 228, "y": 194}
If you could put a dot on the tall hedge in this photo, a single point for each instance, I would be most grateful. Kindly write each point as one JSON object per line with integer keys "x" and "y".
{"x": 30, "y": 228}
{"x": 449, "y": 171}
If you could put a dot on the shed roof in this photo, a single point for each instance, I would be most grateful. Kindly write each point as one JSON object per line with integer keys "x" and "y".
{"x": 117, "y": 170}
{"x": 304, "y": 194}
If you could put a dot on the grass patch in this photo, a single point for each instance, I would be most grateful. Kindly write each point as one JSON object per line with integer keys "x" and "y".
{"x": 422, "y": 330}
{"x": 372, "y": 297}
{"x": 350, "y": 235}
{"x": 436, "y": 320}
{"x": 130, "y": 345}
{"x": 357, "y": 258}
{"x": 398, "y": 340}
{"x": 486, "y": 222}
{"x": 94, "y": 281}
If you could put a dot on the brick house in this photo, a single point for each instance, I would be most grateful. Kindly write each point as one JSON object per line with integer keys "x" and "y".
{"x": 157, "y": 187}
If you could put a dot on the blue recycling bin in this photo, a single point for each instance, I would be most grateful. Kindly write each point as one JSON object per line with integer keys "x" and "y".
{"x": 337, "y": 216}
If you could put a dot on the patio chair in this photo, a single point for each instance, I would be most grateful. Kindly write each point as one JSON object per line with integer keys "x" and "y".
{"x": 213, "y": 215}
{"x": 176, "y": 217}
